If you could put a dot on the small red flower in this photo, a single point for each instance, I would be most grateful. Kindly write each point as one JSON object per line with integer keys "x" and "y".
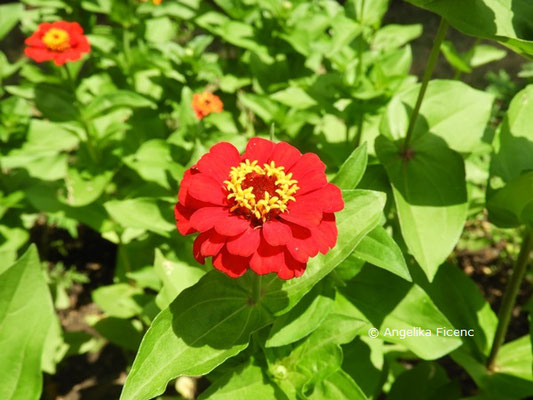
{"x": 206, "y": 103}
{"x": 60, "y": 41}
{"x": 269, "y": 209}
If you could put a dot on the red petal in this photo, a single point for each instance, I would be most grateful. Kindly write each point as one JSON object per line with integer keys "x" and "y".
{"x": 326, "y": 234}
{"x": 39, "y": 54}
{"x": 258, "y": 149}
{"x": 245, "y": 244}
{"x": 301, "y": 246}
{"x": 213, "y": 244}
{"x": 276, "y": 233}
{"x": 231, "y": 225}
{"x": 303, "y": 213}
{"x": 196, "y": 248}
{"x": 291, "y": 268}
{"x": 267, "y": 259}
{"x": 205, "y": 188}
{"x": 233, "y": 266}
{"x": 183, "y": 219}
{"x": 207, "y": 217}
{"x": 285, "y": 155}
{"x": 309, "y": 171}
{"x": 184, "y": 186}
{"x": 218, "y": 162}
{"x": 327, "y": 198}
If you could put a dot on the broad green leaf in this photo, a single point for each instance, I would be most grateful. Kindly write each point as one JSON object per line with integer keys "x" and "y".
{"x": 26, "y": 316}
{"x": 352, "y": 170}
{"x": 338, "y": 386}
{"x": 83, "y": 187}
{"x": 120, "y": 300}
{"x": 55, "y": 102}
{"x": 119, "y": 98}
{"x": 245, "y": 382}
{"x": 176, "y": 277}
{"x": 294, "y": 97}
{"x": 509, "y": 193}
{"x": 159, "y": 29}
{"x": 205, "y": 325}
{"x": 461, "y": 301}
{"x": 303, "y": 319}
{"x": 506, "y": 21}
{"x": 389, "y": 303}
{"x": 367, "y": 12}
{"x": 142, "y": 213}
{"x": 125, "y": 333}
{"x": 482, "y": 54}
{"x": 10, "y": 14}
{"x": 513, "y": 377}
{"x": 362, "y": 211}
{"x": 430, "y": 194}
{"x": 455, "y": 59}
{"x": 427, "y": 380}
{"x": 452, "y": 110}
{"x": 363, "y": 360}
{"x": 39, "y": 155}
{"x": 394, "y": 36}
{"x": 380, "y": 249}
{"x": 153, "y": 161}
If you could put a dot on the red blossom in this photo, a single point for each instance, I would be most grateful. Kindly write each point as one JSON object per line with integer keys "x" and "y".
{"x": 269, "y": 209}
{"x": 60, "y": 41}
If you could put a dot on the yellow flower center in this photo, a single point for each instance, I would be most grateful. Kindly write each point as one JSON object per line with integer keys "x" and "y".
{"x": 57, "y": 39}
{"x": 260, "y": 192}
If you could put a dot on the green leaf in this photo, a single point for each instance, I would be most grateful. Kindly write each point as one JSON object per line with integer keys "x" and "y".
{"x": 506, "y": 21}
{"x": 427, "y": 380}
{"x": 294, "y": 97}
{"x": 452, "y": 110}
{"x": 510, "y": 178}
{"x": 303, "y": 319}
{"x": 83, "y": 187}
{"x": 430, "y": 194}
{"x": 380, "y": 249}
{"x": 55, "y": 103}
{"x": 388, "y": 303}
{"x": 461, "y": 301}
{"x": 10, "y": 14}
{"x": 362, "y": 211}
{"x": 120, "y": 300}
{"x": 119, "y": 98}
{"x": 482, "y": 54}
{"x": 176, "y": 276}
{"x": 159, "y": 30}
{"x": 513, "y": 377}
{"x": 394, "y": 36}
{"x": 455, "y": 59}
{"x": 245, "y": 382}
{"x": 141, "y": 213}
{"x": 206, "y": 324}
{"x": 26, "y": 316}
{"x": 352, "y": 170}
{"x": 338, "y": 386}
{"x": 121, "y": 332}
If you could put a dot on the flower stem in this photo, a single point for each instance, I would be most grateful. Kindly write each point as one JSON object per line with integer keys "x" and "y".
{"x": 81, "y": 118}
{"x": 430, "y": 67}
{"x": 256, "y": 290}
{"x": 509, "y": 297}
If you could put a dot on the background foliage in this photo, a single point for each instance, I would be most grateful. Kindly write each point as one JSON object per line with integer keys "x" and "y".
{"x": 91, "y": 160}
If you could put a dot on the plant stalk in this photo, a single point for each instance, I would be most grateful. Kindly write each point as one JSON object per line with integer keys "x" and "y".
{"x": 509, "y": 297}
{"x": 86, "y": 127}
{"x": 256, "y": 290}
{"x": 428, "y": 72}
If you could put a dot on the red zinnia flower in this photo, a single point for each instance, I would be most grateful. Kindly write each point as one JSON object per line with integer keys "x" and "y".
{"x": 60, "y": 41}
{"x": 270, "y": 209}
{"x": 206, "y": 103}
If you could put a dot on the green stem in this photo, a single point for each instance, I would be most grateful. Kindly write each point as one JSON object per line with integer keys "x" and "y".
{"x": 361, "y": 43}
{"x": 256, "y": 290}
{"x": 441, "y": 33}
{"x": 509, "y": 297}
{"x": 85, "y": 124}
{"x": 359, "y": 132}
{"x": 126, "y": 47}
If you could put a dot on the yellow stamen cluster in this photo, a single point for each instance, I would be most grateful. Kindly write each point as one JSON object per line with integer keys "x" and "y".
{"x": 244, "y": 197}
{"x": 57, "y": 39}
